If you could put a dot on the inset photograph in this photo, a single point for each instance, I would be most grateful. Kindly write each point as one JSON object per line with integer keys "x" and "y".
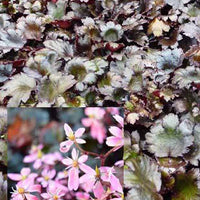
{"x": 65, "y": 154}
{"x": 3, "y": 154}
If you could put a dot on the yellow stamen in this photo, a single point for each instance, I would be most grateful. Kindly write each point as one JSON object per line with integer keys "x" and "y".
{"x": 71, "y": 136}
{"x": 24, "y": 178}
{"x": 65, "y": 172}
{"x": 55, "y": 197}
{"x": 21, "y": 190}
{"x": 46, "y": 178}
{"x": 97, "y": 172}
{"x": 39, "y": 154}
{"x": 91, "y": 116}
{"x": 75, "y": 163}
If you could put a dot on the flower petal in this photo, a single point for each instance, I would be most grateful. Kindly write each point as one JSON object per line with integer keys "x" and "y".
{"x": 15, "y": 177}
{"x": 25, "y": 171}
{"x": 30, "y": 158}
{"x": 67, "y": 129}
{"x": 35, "y": 188}
{"x": 65, "y": 146}
{"x": 74, "y": 154}
{"x": 79, "y": 132}
{"x": 67, "y": 161}
{"x": 80, "y": 141}
{"x": 85, "y": 168}
{"x": 98, "y": 190}
{"x": 119, "y": 119}
{"x": 87, "y": 122}
{"x": 116, "y": 131}
{"x": 31, "y": 197}
{"x": 114, "y": 141}
{"x": 82, "y": 159}
{"x": 73, "y": 181}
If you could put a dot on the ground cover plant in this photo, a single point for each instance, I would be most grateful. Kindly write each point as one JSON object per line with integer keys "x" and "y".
{"x": 140, "y": 55}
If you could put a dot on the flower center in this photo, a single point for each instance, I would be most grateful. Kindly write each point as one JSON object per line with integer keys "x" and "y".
{"x": 39, "y": 154}
{"x": 91, "y": 116}
{"x": 71, "y": 136}
{"x": 55, "y": 197}
{"x": 24, "y": 177}
{"x": 75, "y": 163}
{"x": 46, "y": 178}
{"x": 65, "y": 172}
{"x": 21, "y": 190}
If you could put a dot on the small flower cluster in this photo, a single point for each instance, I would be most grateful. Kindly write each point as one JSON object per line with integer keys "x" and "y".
{"x": 55, "y": 176}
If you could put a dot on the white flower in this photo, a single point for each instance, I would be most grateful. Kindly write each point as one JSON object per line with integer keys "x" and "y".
{"x": 170, "y": 136}
{"x": 184, "y": 77}
{"x": 32, "y": 26}
{"x": 111, "y": 32}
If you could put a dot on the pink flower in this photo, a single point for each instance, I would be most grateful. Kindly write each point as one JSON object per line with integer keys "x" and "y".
{"x": 52, "y": 158}
{"x": 24, "y": 190}
{"x": 99, "y": 191}
{"x": 94, "y": 112}
{"x": 82, "y": 196}
{"x": 35, "y": 156}
{"x": 117, "y": 140}
{"x": 53, "y": 192}
{"x": 91, "y": 181}
{"x": 119, "y": 119}
{"x": 108, "y": 176}
{"x": 25, "y": 173}
{"x": 71, "y": 138}
{"x": 88, "y": 180}
{"x": 98, "y": 130}
{"x": 47, "y": 176}
{"x": 73, "y": 165}
{"x": 62, "y": 175}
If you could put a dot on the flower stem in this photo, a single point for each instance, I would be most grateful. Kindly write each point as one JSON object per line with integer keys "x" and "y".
{"x": 102, "y": 157}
